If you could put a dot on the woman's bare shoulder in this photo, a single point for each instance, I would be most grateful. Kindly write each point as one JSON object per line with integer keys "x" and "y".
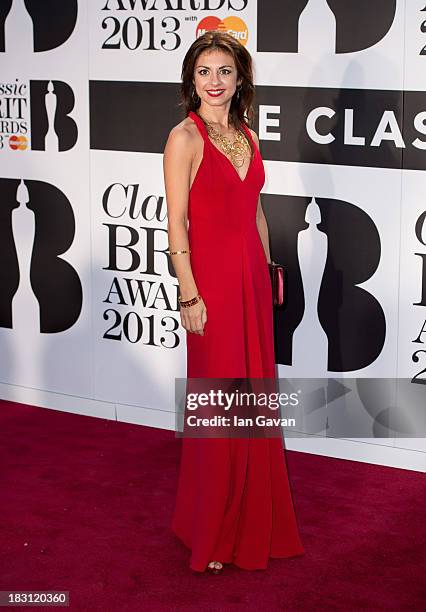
{"x": 182, "y": 142}
{"x": 184, "y": 132}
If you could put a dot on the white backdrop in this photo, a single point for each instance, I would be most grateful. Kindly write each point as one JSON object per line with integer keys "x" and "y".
{"x": 88, "y": 93}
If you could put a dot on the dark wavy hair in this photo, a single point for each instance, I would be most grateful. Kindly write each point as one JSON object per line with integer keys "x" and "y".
{"x": 242, "y": 109}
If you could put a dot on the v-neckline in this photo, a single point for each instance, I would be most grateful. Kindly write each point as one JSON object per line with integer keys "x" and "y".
{"x": 242, "y": 180}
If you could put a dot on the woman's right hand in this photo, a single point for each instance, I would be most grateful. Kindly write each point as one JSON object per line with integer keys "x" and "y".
{"x": 194, "y": 317}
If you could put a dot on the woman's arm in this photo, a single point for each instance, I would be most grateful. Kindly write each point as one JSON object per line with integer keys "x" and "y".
{"x": 177, "y": 162}
{"x": 261, "y": 222}
{"x": 262, "y": 227}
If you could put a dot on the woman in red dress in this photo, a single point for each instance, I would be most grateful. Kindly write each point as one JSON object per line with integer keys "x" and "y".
{"x": 234, "y": 502}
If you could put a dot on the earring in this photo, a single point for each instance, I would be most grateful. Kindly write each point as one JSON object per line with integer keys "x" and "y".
{"x": 195, "y": 98}
{"x": 238, "y": 91}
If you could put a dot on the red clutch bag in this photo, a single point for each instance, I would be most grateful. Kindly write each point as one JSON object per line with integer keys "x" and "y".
{"x": 276, "y": 273}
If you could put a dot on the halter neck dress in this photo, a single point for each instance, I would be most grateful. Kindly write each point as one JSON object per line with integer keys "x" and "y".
{"x": 233, "y": 502}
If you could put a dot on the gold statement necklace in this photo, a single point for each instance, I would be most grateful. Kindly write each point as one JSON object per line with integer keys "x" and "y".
{"x": 236, "y": 150}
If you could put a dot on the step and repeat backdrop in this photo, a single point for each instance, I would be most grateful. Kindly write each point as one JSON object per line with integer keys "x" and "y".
{"x": 88, "y": 300}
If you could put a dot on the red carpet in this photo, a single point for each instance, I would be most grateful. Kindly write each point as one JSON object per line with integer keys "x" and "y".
{"x": 87, "y": 503}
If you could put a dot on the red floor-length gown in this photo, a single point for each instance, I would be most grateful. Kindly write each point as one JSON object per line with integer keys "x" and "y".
{"x": 233, "y": 503}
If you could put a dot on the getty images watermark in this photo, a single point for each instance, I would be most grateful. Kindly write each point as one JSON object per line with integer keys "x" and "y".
{"x": 336, "y": 407}
{"x": 233, "y": 407}
{"x": 236, "y": 399}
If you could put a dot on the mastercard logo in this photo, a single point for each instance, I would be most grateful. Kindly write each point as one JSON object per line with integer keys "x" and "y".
{"x": 232, "y": 25}
{"x": 18, "y": 143}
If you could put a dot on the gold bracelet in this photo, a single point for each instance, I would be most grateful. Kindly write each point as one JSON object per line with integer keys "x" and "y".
{"x": 177, "y": 252}
{"x": 190, "y": 302}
